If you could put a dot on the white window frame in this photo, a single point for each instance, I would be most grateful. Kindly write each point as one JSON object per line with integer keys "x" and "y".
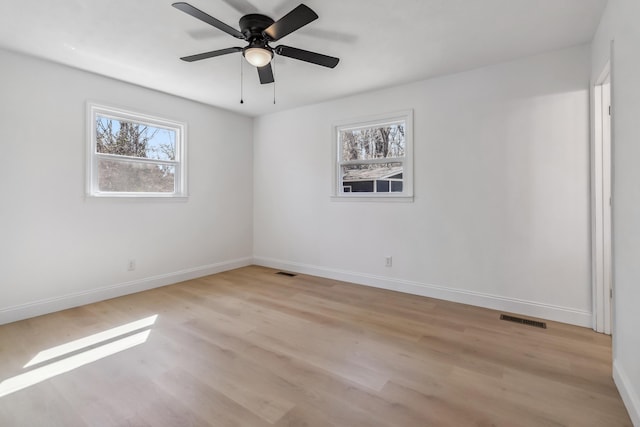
{"x": 338, "y": 193}
{"x": 92, "y": 189}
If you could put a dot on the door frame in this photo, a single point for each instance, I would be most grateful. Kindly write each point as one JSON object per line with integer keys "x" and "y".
{"x": 602, "y": 203}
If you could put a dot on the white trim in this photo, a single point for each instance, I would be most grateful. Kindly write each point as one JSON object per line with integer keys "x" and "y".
{"x": 180, "y": 163}
{"x": 629, "y": 396}
{"x": 366, "y": 197}
{"x": 50, "y": 305}
{"x": 495, "y": 302}
{"x": 405, "y": 116}
{"x": 512, "y": 305}
{"x": 596, "y": 212}
{"x": 601, "y": 210}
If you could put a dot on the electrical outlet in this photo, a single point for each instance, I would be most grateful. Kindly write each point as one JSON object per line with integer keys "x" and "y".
{"x": 132, "y": 265}
{"x": 388, "y": 261}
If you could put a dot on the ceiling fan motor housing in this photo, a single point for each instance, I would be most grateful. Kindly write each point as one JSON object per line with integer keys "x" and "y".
{"x": 252, "y": 26}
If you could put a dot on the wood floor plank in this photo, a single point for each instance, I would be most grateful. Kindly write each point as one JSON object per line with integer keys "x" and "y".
{"x": 249, "y": 347}
{"x": 206, "y": 401}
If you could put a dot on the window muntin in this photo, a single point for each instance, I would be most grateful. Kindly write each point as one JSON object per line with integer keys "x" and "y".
{"x": 135, "y": 155}
{"x": 373, "y": 157}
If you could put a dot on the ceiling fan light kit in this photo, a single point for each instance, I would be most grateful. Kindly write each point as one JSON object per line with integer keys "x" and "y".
{"x": 258, "y": 30}
{"x": 257, "y": 56}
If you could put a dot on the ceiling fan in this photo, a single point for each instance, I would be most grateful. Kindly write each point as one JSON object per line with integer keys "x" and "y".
{"x": 259, "y": 30}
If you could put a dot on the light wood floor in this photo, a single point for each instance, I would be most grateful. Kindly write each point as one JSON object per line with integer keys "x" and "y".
{"x": 252, "y": 348}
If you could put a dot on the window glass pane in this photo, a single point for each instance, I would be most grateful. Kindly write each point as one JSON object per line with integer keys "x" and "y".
{"x": 382, "y": 186}
{"x": 396, "y": 186}
{"x": 135, "y": 177}
{"x": 371, "y": 178}
{"x": 375, "y": 142}
{"x": 125, "y": 138}
{"x": 359, "y": 187}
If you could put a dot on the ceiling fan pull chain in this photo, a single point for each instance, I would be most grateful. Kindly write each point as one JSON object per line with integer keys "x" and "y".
{"x": 274, "y": 81}
{"x": 241, "y": 81}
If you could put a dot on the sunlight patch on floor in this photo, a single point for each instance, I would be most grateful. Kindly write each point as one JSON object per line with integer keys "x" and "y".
{"x": 91, "y": 340}
{"x": 50, "y": 370}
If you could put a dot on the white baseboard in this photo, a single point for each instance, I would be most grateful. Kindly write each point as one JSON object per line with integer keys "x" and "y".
{"x": 495, "y": 302}
{"x": 512, "y": 305}
{"x": 50, "y": 305}
{"x": 629, "y": 395}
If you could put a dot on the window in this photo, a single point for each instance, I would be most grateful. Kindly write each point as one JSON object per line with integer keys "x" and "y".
{"x": 374, "y": 157}
{"x": 134, "y": 155}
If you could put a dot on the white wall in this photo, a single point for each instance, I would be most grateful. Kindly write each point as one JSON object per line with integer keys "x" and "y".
{"x": 58, "y": 249}
{"x": 501, "y": 211}
{"x": 620, "y": 24}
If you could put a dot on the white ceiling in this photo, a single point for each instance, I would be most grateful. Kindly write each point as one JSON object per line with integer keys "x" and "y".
{"x": 380, "y": 42}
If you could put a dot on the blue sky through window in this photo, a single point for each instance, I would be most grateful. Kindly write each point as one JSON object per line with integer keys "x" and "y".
{"x": 162, "y": 142}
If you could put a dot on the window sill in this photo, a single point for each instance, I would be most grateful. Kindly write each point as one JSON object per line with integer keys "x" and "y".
{"x": 136, "y": 197}
{"x": 368, "y": 198}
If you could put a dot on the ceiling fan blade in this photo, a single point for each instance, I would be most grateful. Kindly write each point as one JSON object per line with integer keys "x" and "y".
{"x": 266, "y": 74}
{"x": 305, "y": 55}
{"x": 211, "y": 54}
{"x": 198, "y": 14}
{"x": 297, "y": 18}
